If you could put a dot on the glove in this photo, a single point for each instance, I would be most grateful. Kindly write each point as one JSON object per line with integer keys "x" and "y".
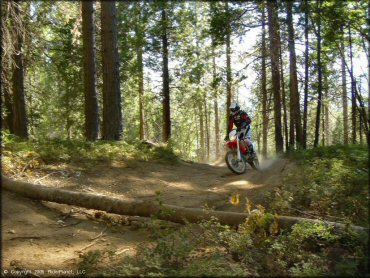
{"x": 226, "y": 138}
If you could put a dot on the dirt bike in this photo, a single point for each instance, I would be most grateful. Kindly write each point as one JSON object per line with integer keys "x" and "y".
{"x": 237, "y": 156}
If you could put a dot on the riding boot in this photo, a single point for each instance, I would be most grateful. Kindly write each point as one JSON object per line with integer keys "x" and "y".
{"x": 251, "y": 150}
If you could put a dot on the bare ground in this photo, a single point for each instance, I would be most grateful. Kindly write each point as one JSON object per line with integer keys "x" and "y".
{"x": 52, "y": 238}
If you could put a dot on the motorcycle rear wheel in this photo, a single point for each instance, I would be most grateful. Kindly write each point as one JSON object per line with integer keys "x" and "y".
{"x": 238, "y": 167}
{"x": 255, "y": 164}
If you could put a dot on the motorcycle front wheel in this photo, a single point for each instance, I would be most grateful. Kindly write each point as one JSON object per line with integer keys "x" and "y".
{"x": 238, "y": 167}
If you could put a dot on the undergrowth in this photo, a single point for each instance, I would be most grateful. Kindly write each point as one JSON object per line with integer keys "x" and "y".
{"x": 257, "y": 248}
{"x": 329, "y": 182}
{"x": 23, "y": 155}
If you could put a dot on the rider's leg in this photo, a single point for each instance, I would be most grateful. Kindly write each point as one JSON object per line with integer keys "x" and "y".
{"x": 250, "y": 146}
{"x": 248, "y": 137}
{"x": 242, "y": 142}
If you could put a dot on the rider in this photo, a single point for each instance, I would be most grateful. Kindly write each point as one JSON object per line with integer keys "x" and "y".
{"x": 242, "y": 122}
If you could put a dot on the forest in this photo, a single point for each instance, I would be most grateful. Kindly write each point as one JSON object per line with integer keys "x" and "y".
{"x": 131, "y": 100}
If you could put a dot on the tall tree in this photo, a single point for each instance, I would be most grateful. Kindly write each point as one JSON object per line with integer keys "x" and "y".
{"x": 326, "y": 125}
{"x": 228, "y": 64}
{"x": 20, "y": 121}
{"x": 264, "y": 86}
{"x": 319, "y": 70}
{"x": 215, "y": 98}
{"x": 165, "y": 78}
{"x": 344, "y": 91}
{"x": 140, "y": 68}
{"x": 353, "y": 89}
{"x": 274, "y": 55}
{"x": 294, "y": 94}
{"x": 6, "y": 50}
{"x": 287, "y": 139}
{"x": 91, "y": 97}
{"x": 368, "y": 61}
{"x": 112, "y": 114}
{"x": 306, "y": 67}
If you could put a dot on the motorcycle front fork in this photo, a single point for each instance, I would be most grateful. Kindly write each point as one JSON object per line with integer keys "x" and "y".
{"x": 238, "y": 149}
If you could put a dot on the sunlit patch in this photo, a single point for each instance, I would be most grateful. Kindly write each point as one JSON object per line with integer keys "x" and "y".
{"x": 239, "y": 183}
{"x": 235, "y": 199}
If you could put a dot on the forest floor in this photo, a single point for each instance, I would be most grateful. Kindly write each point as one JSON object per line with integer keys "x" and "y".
{"x": 51, "y": 239}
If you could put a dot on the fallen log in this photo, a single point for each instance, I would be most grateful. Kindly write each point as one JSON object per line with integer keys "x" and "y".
{"x": 145, "y": 208}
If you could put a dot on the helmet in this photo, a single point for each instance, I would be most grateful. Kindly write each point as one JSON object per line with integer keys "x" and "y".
{"x": 235, "y": 108}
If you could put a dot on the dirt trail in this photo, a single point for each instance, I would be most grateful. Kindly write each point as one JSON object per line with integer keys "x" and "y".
{"x": 46, "y": 236}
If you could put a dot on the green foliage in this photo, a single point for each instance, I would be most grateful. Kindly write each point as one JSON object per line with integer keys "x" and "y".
{"x": 212, "y": 249}
{"x": 90, "y": 260}
{"x": 315, "y": 249}
{"x": 331, "y": 182}
{"x": 17, "y": 153}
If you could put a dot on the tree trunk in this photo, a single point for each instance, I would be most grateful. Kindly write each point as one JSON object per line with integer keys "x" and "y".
{"x": 20, "y": 121}
{"x": 326, "y": 114}
{"x": 353, "y": 91}
{"x": 140, "y": 72}
{"x": 6, "y": 44}
{"x": 294, "y": 94}
{"x": 319, "y": 69}
{"x": 344, "y": 94}
{"x": 264, "y": 88}
{"x": 368, "y": 67}
{"x": 112, "y": 114}
{"x": 145, "y": 208}
{"x": 290, "y": 139}
{"x": 6, "y": 95}
{"x": 139, "y": 52}
{"x": 274, "y": 54}
{"x": 215, "y": 102}
{"x": 228, "y": 69}
{"x": 91, "y": 98}
{"x": 165, "y": 81}
{"x": 201, "y": 130}
{"x": 361, "y": 108}
{"x": 306, "y": 61}
{"x": 207, "y": 125}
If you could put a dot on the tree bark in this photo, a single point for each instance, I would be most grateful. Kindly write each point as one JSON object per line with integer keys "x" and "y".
{"x": 139, "y": 52}
{"x": 294, "y": 94}
{"x": 319, "y": 69}
{"x": 6, "y": 45}
{"x": 215, "y": 101}
{"x": 264, "y": 87}
{"x": 353, "y": 90}
{"x": 326, "y": 113}
{"x": 368, "y": 68}
{"x": 91, "y": 98}
{"x": 207, "y": 125}
{"x": 20, "y": 121}
{"x": 165, "y": 80}
{"x": 228, "y": 69}
{"x": 344, "y": 94}
{"x": 274, "y": 54}
{"x": 6, "y": 95}
{"x": 112, "y": 114}
{"x": 145, "y": 208}
{"x": 140, "y": 72}
{"x": 306, "y": 68}
{"x": 201, "y": 130}
{"x": 287, "y": 139}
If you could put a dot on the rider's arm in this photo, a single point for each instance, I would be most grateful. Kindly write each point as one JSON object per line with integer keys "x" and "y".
{"x": 231, "y": 123}
{"x": 246, "y": 118}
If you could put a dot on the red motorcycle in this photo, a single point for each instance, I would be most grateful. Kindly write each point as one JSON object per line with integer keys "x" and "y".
{"x": 237, "y": 155}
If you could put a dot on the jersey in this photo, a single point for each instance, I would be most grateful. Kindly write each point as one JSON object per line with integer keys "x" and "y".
{"x": 240, "y": 120}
